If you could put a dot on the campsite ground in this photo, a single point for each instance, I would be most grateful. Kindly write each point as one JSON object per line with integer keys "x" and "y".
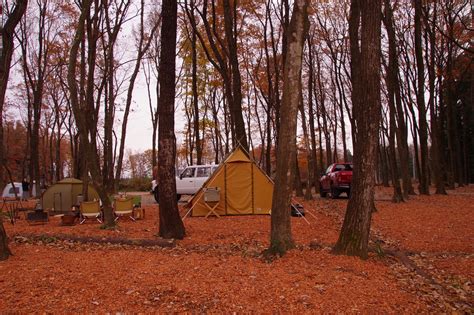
{"x": 423, "y": 261}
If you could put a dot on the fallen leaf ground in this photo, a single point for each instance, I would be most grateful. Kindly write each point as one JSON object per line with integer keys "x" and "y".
{"x": 425, "y": 263}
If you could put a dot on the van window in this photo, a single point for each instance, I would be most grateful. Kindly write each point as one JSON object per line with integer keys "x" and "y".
{"x": 203, "y": 172}
{"x": 189, "y": 172}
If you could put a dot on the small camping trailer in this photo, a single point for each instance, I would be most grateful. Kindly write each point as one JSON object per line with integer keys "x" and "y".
{"x": 244, "y": 188}
{"x": 64, "y": 194}
{"x": 8, "y": 191}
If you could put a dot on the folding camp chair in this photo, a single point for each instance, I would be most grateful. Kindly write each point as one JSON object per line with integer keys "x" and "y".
{"x": 211, "y": 200}
{"x": 123, "y": 207}
{"x": 90, "y": 210}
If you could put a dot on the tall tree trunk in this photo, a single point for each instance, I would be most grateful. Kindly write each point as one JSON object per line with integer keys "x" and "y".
{"x": 391, "y": 78}
{"x": 436, "y": 160}
{"x": 319, "y": 99}
{"x": 383, "y": 164}
{"x": 365, "y": 67}
{"x": 313, "y": 160}
{"x": 230, "y": 26}
{"x": 154, "y": 117}
{"x": 420, "y": 99}
{"x": 5, "y": 251}
{"x": 57, "y": 146}
{"x": 310, "y": 171}
{"x": 280, "y": 237}
{"x": 8, "y": 31}
{"x": 195, "y": 92}
{"x": 171, "y": 225}
{"x": 297, "y": 184}
{"x": 85, "y": 113}
{"x": 401, "y": 132}
{"x": 143, "y": 46}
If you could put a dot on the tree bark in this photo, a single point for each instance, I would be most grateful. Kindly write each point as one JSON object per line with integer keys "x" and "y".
{"x": 280, "y": 238}
{"x": 391, "y": 77}
{"x": 401, "y": 131}
{"x": 171, "y": 225}
{"x": 420, "y": 99}
{"x": 5, "y": 62}
{"x": 354, "y": 236}
{"x": 312, "y": 130}
{"x": 230, "y": 28}
{"x": 436, "y": 160}
{"x": 309, "y": 179}
{"x": 195, "y": 91}
{"x": 297, "y": 184}
{"x": 224, "y": 59}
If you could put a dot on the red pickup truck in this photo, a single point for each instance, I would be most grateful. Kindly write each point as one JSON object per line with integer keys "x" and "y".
{"x": 336, "y": 180}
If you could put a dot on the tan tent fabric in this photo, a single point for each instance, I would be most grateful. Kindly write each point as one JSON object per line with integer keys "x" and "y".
{"x": 262, "y": 205}
{"x": 244, "y": 188}
{"x": 63, "y": 195}
{"x": 237, "y": 156}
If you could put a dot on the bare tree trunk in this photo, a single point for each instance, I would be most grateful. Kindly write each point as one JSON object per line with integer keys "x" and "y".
{"x": 197, "y": 138}
{"x": 297, "y": 184}
{"x": 319, "y": 100}
{"x": 230, "y": 27}
{"x": 154, "y": 118}
{"x": 420, "y": 98}
{"x": 310, "y": 171}
{"x": 401, "y": 131}
{"x": 280, "y": 237}
{"x": 224, "y": 59}
{"x": 217, "y": 134}
{"x": 453, "y": 115}
{"x": 313, "y": 160}
{"x": 143, "y": 46}
{"x": 85, "y": 114}
{"x": 383, "y": 164}
{"x": 436, "y": 160}
{"x": 171, "y": 225}
{"x": 5, "y": 63}
{"x": 5, "y": 251}
{"x": 390, "y": 79}
{"x": 34, "y": 77}
{"x": 365, "y": 67}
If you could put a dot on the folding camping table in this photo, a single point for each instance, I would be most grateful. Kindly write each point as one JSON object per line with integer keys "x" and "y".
{"x": 211, "y": 200}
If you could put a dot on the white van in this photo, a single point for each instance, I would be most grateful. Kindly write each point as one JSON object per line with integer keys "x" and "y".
{"x": 189, "y": 181}
{"x": 9, "y": 192}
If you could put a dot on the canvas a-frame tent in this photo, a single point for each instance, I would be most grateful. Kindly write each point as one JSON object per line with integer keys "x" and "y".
{"x": 63, "y": 195}
{"x": 245, "y": 189}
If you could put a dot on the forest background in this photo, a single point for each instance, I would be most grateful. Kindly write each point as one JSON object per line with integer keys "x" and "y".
{"x": 229, "y": 90}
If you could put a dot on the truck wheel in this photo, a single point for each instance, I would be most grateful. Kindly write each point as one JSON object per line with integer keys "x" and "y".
{"x": 156, "y": 194}
{"x": 322, "y": 193}
{"x": 334, "y": 193}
